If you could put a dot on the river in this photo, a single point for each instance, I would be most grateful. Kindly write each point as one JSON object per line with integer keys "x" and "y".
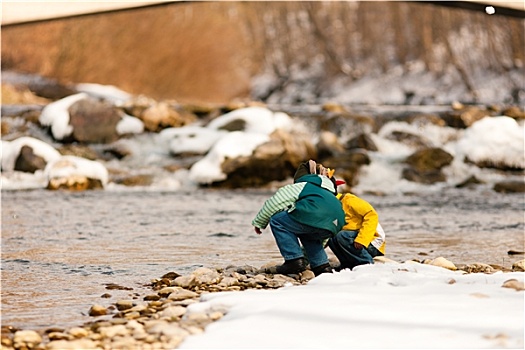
{"x": 62, "y": 250}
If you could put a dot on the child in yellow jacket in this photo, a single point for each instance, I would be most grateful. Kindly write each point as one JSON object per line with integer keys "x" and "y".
{"x": 362, "y": 237}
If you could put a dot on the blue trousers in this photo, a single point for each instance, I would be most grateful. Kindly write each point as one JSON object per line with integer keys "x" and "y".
{"x": 342, "y": 245}
{"x": 288, "y": 232}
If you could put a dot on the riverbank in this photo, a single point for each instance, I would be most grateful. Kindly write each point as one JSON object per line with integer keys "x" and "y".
{"x": 178, "y": 307}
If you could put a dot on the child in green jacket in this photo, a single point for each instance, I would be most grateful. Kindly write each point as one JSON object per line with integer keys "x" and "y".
{"x": 305, "y": 212}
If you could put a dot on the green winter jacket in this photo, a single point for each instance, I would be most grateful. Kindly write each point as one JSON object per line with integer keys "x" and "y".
{"x": 310, "y": 201}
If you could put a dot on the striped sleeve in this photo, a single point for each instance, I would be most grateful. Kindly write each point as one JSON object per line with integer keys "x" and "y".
{"x": 284, "y": 198}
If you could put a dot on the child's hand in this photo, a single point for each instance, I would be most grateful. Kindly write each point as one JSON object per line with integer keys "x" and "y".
{"x": 358, "y": 246}
{"x": 257, "y": 230}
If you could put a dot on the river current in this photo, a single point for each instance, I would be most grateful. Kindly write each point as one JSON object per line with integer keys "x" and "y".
{"x": 62, "y": 251}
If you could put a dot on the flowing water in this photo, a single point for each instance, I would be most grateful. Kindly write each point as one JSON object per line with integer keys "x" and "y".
{"x": 61, "y": 251}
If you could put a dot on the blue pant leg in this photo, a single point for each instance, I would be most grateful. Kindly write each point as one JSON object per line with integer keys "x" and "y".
{"x": 314, "y": 249}
{"x": 342, "y": 245}
{"x": 283, "y": 229}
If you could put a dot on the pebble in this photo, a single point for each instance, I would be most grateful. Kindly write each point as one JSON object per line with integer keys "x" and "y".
{"x": 161, "y": 321}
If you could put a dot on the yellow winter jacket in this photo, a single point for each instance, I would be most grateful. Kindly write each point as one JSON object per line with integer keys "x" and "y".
{"x": 360, "y": 215}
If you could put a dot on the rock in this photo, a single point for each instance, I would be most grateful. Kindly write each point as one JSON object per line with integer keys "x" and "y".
{"x": 74, "y": 183}
{"x": 79, "y": 344}
{"x": 423, "y": 177}
{"x": 113, "y": 331}
{"x": 383, "y": 260}
{"x": 519, "y": 266}
{"x": 134, "y": 180}
{"x": 185, "y": 281}
{"x": 272, "y": 161}
{"x": 78, "y": 332}
{"x": 26, "y": 339}
{"x": 362, "y": 141}
{"x": 514, "y": 284}
{"x": 29, "y": 162}
{"x": 77, "y": 150}
{"x": 429, "y": 159}
{"x": 162, "y": 115}
{"x": 478, "y": 268}
{"x": 462, "y": 118}
{"x": 97, "y": 310}
{"x": 182, "y": 294}
{"x": 328, "y": 145}
{"x": 469, "y": 182}
{"x": 173, "y": 312}
{"x": 409, "y": 139}
{"x": 425, "y": 166}
{"x": 514, "y": 112}
{"x": 75, "y": 173}
{"x": 509, "y": 187}
{"x": 152, "y": 297}
{"x": 442, "y": 262}
{"x": 124, "y": 304}
{"x": 347, "y": 165}
{"x": 94, "y": 121}
{"x": 164, "y": 292}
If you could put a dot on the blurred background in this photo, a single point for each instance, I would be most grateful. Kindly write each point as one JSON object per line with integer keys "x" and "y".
{"x": 397, "y": 52}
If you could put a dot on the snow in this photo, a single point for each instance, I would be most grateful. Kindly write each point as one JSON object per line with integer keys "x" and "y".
{"x": 500, "y": 140}
{"x": 191, "y": 139}
{"x": 106, "y": 92}
{"x": 11, "y": 150}
{"x": 56, "y": 115}
{"x": 234, "y": 144}
{"x": 380, "y": 306}
{"x": 130, "y": 125}
{"x": 497, "y": 140}
{"x": 68, "y": 166}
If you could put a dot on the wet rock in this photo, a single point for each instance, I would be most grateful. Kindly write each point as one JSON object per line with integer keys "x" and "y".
{"x": 509, "y": 187}
{"x": 409, "y": 139}
{"x": 152, "y": 297}
{"x": 469, "y": 182}
{"x": 133, "y": 180}
{"x": 97, "y": 310}
{"x": 429, "y": 159}
{"x": 425, "y": 165}
{"x": 77, "y": 150}
{"x": 124, "y": 304}
{"x": 347, "y": 164}
{"x": 423, "y": 177}
{"x": 462, "y": 117}
{"x": 27, "y": 161}
{"x": 328, "y": 145}
{"x": 362, "y": 141}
